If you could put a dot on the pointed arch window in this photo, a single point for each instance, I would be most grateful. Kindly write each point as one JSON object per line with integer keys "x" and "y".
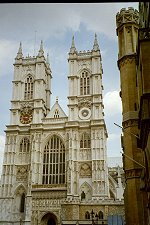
{"x": 85, "y": 83}
{"x": 82, "y": 195}
{"x": 54, "y": 161}
{"x": 24, "y": 145}
{"x": 87, "y": 215}
{"x": 28, "y": 93}
{"x": 22, "y": 203}
{"x": 85, "y": 141}
{"x": 100, "y": 215}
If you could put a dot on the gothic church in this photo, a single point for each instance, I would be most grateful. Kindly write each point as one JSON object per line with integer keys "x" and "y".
{"x": 55, "y": 166}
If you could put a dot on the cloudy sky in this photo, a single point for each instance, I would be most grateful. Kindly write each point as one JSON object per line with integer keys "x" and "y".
{"x": 55, "y": 24}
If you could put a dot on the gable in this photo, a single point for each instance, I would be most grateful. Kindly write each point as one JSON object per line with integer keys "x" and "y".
{"x": 56, "y": 112}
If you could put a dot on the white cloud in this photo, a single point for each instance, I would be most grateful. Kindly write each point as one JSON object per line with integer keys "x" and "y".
{"x": 115, "y": 161}
{"x": 102, "y": 17}
{"x": 47, "y": 19}
{"x": 113, "y": 137}
{"x": 50, "y": 19}
{"x": 112, "y": 103}
{"x": 9, "y": 48}
{"x": 114, "y": 144}
{"x": 7, "y": 52}
{"x": 20, "y": 21}
{"x": 54, "y": 24}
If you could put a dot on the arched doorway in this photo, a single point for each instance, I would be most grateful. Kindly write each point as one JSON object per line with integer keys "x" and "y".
{"x": 49, "y": 219}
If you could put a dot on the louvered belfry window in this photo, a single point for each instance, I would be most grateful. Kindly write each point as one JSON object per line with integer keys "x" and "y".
{"x": 84, "y": 83}
{"x": 85, "y": 141}
{"x": 28, "y": 93}
{"x": 56, "y": 114}
{"x": 24, "y": 145}
{"x": 54, "y": 161}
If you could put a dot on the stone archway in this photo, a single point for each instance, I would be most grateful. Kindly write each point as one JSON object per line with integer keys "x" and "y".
{"x": 49, "y": 219}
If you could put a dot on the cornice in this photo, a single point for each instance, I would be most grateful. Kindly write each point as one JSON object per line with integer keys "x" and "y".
{"x": 133, "y": 173}
{"x": 130, "y": 58}
{"x": 130, "y": 123}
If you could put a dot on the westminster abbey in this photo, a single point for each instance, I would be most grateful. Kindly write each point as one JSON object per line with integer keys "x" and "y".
{"x": 55, "y": 168}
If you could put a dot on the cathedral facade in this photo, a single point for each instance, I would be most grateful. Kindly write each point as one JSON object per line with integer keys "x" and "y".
{"x": 55, "y": 167}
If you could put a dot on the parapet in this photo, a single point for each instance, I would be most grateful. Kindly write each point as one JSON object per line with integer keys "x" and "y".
{"x": 129, "y": 15}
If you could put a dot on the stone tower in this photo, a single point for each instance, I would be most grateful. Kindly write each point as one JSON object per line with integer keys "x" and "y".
{"x": 31, "y": 88}
{"x": 55, "y": 167}
{"x": 86, "y": 117}
{"x": 29, "y": 105}
{"x": 127, "y": 32}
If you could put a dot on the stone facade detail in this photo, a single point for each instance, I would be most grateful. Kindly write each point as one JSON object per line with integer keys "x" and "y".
{"x": 55, "y": 166}
{"x": 133, "y": 33}
{"x": 127, "y": 16}
{"x": 84, "y": 102}
{"x": 22, "y": 173}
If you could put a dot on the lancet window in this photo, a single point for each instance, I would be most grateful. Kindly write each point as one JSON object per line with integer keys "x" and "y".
{"x": 56, "y": 114}
{"x": 28, "y": 94}
{"x": 87, "y": 215}
{"x": 22, "y": 203}
{"x": 85, "y": 141}
{"x": 24, "y": 145}
{"x": 54, "y": 161}
{"x": 84, "y": 83}
{"x": 100, "y": 215}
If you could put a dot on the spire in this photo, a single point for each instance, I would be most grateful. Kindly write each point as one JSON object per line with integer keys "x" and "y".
{"x": 47, "y": 59}
{"x": 57, "y": 99}
{"x": 73, "y": 48}
{"x": 41, "y": 51}
{"x": 19, "y": 54}
{"x": 73, "y": 45}
{"x": 47, "y": 62}
{"x": 95, "y": 46}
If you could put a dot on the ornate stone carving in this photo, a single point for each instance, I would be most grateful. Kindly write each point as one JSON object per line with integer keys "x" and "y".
{"x": 128, "y": 29}
{"x": 85, "y": 170}
{"x": 84, "y": 102}
{"x": 130, "y": 123}
{"x": 47, "y": 186}
{"x": 46, "y": 204}
{"x": 22, "y": 173}
{"x": 132, "y": 173}
{"x": 52, "y": 197}
{"x": 127, "y": 59}
{"x": 127, "y": 16}
{"x": 25, "y": 106}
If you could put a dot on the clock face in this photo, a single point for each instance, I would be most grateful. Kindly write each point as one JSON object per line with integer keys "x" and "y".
{"x": 84, "y": 113}
{"x": 25, "y": 118}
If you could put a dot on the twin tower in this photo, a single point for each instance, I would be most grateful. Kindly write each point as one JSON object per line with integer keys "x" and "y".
{"x": 55, "y": 166}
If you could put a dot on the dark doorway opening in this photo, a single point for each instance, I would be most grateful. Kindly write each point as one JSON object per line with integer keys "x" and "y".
{"x": 51, "y": 221}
